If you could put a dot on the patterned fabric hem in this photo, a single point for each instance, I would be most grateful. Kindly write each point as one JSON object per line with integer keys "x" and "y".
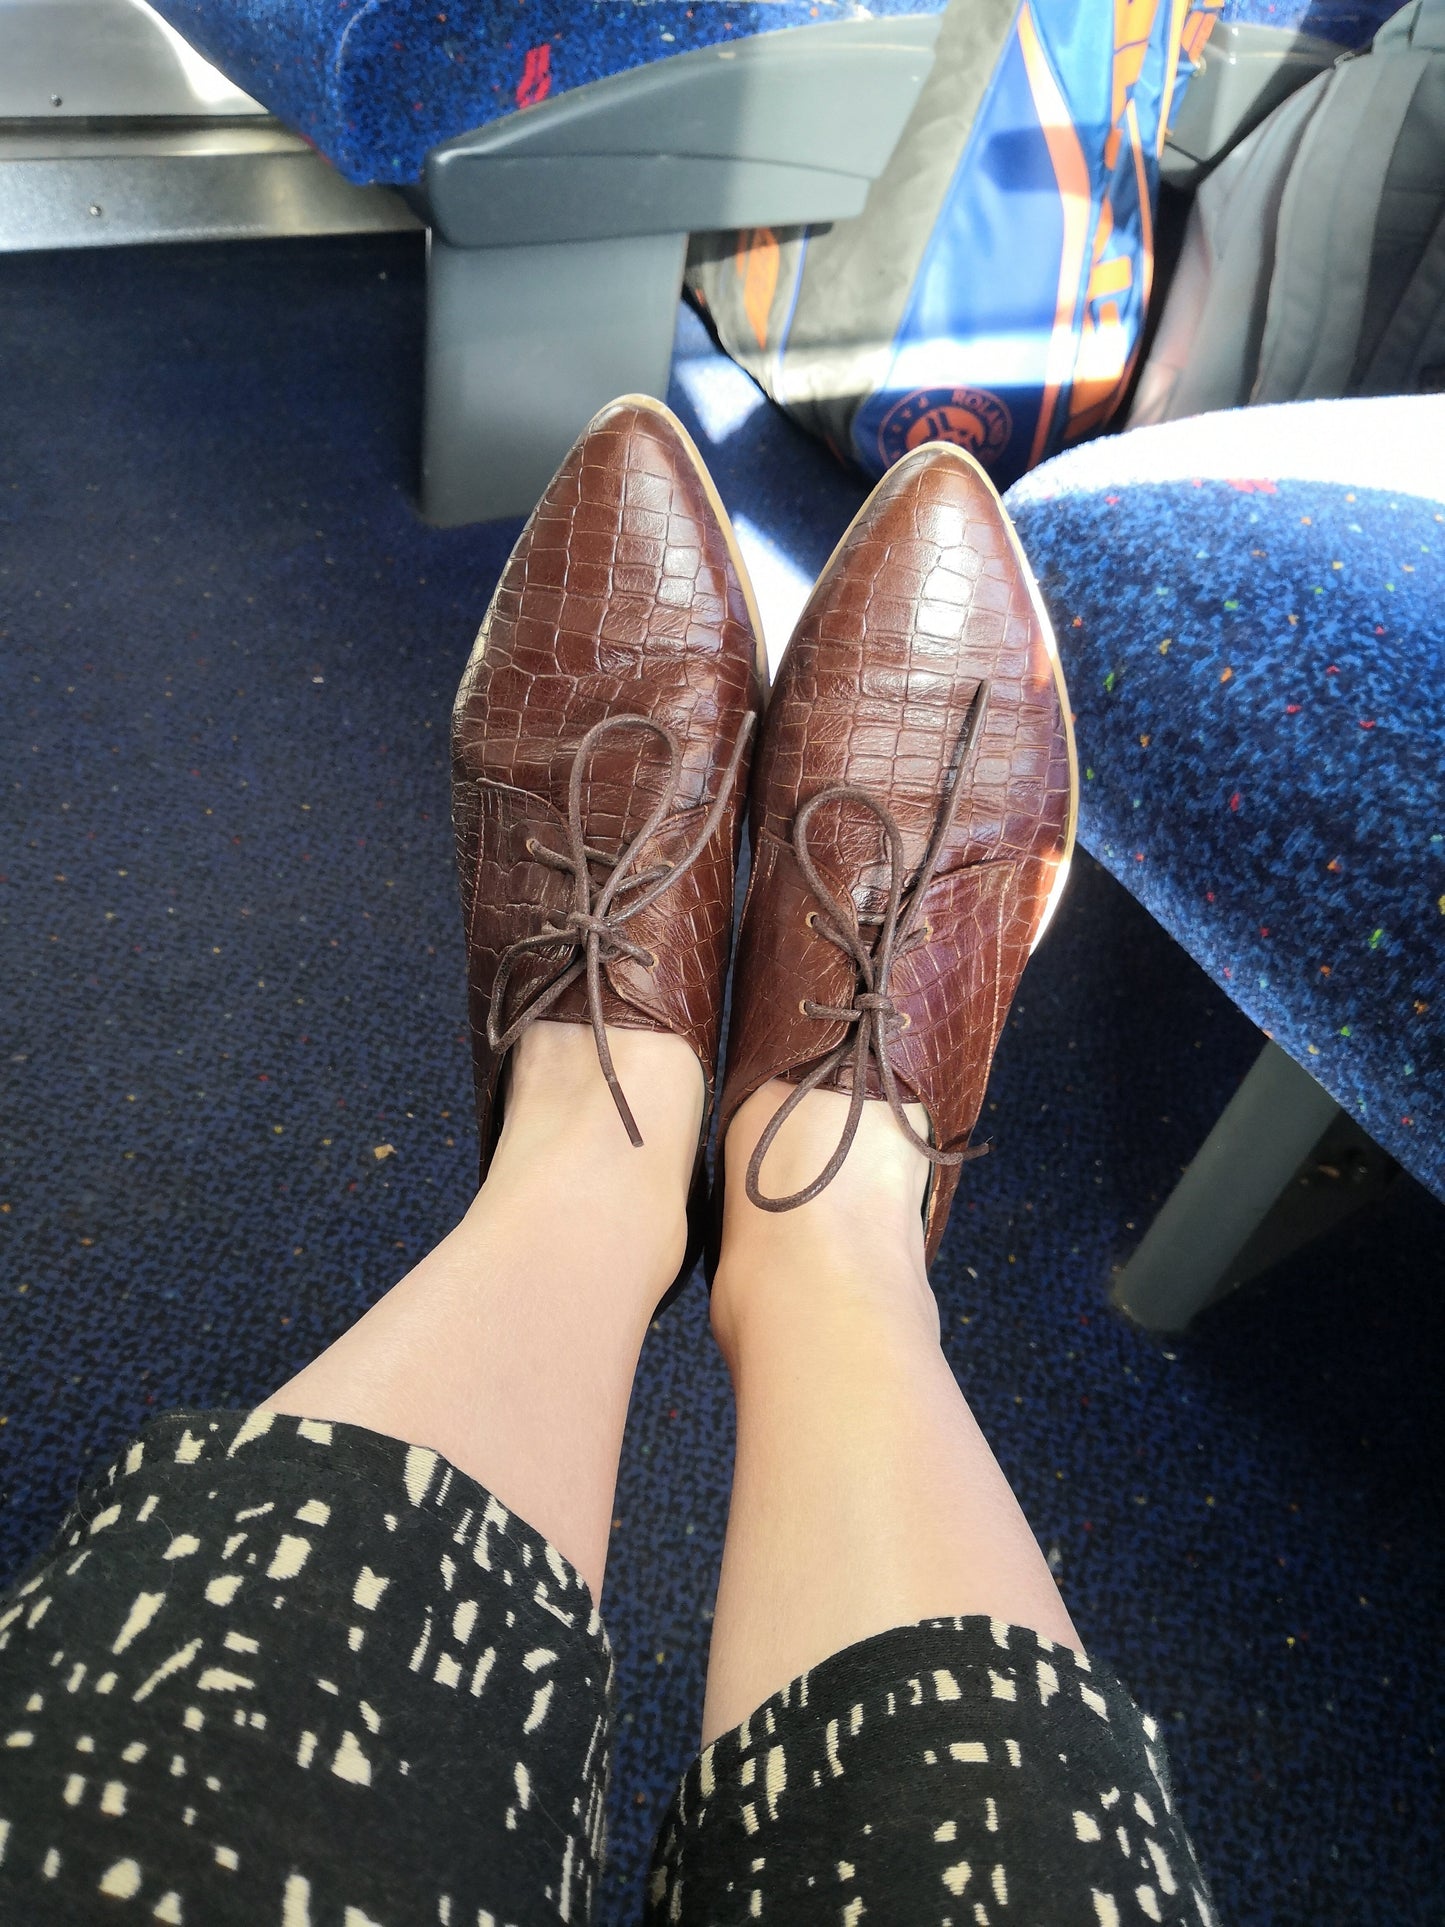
{"x": 962, "y": 1772}
{"x": 290, "y": 1671}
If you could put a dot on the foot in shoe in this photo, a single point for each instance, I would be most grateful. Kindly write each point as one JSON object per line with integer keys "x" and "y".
{"x": 913, "y": 809}
{"x": 601, "y": 741}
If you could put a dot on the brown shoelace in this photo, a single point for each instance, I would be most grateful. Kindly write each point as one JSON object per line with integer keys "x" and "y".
{"x": 873, "y": 1019}
{"x": 594, "y": 927}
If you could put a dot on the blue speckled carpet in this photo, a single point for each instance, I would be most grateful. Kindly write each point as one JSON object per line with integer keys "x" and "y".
{"x": 236, "y": 1092}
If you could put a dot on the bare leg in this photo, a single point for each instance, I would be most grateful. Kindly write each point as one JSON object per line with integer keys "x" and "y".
{"x": 865, "y": 1496}
{"x": 511, "y": 1348}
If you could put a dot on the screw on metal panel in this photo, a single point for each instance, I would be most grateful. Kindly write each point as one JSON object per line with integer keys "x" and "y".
{"x": 96, "y": 208}
{"x": 55, "y": 100}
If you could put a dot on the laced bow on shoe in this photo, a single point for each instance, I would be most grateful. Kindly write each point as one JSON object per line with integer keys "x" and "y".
{"x": 595, "y": 926}
{"x": 874, "y": 1020}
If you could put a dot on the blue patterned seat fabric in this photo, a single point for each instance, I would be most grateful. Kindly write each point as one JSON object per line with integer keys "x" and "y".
{"x": 375, "y": 83}
{"x": 1349, "y": 22}
{"x": 1251, "y": 609}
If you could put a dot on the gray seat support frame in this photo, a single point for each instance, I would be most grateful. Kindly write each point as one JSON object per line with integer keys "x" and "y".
{"x": 558, "y": 235}
{"x": 1282, "y": 1166}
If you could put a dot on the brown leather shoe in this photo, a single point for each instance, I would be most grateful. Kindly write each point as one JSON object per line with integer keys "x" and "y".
{"x": 913, "y": 809}
{"x": 600, "y": 747}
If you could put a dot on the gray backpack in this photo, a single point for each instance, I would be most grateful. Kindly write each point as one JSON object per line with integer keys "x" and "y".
{"x": 1314, "y": 259}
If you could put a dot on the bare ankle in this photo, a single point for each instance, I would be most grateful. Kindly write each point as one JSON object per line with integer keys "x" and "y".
{"x": 556, "y": 1088}
{"x": 793, "y": 1308}
{"x": 856, "y": 1251}
{"x": 876, "y": 1197}
{"x": 565, "y": 1150}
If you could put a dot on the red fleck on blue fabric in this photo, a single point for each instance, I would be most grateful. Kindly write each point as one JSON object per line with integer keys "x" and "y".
{"x": 1251, "y": 612}
{"x": 376, "y": 83}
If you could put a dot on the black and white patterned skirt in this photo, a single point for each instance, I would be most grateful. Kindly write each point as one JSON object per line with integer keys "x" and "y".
{"x": 284, "y": 1671}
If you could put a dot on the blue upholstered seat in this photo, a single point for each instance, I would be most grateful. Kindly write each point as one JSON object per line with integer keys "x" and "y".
{"x": 1251, "y": 609}
{"x": 1349, "y": 22}
{"x": 376, "y": 83}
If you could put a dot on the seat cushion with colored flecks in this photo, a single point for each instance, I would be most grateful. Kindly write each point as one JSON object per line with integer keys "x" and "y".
{"x": 1350, "y": 23}
{"x": 1251, "y": 611}
{"x": 375, "y": 84}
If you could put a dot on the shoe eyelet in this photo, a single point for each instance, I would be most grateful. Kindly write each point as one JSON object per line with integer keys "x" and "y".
{"x": 649, "y": 962}
{"x": 905, "y": 1022}
{"x": 531, "y": 846}
{"x": 803, "y": 1006}
{"x": 927, "y": 932}
{"x": 811, "y": 919}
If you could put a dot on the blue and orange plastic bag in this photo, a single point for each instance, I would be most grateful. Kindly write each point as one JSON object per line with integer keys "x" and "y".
{"x": 1016, "y": 329}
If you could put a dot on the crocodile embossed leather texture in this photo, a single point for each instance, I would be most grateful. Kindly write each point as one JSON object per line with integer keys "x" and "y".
{"x": 925, "y": 598}
{"x": 621, "y": 598}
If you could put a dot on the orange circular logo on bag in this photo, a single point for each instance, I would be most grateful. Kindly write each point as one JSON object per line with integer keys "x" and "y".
{"x": 971, "y": 417}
